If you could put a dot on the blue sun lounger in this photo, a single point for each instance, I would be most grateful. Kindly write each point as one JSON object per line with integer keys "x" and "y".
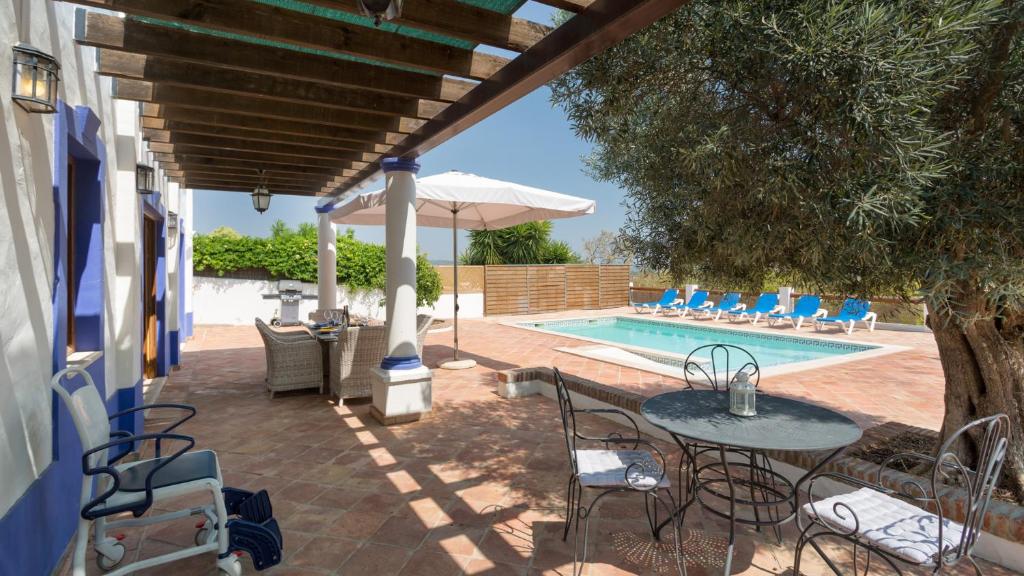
{"x": 806, "y": 307}
{"x": 697, "y": 301}
{"x": 854, "y": 310}
{"x": 730, "y": 301}
{"x": 667, "y": 298}
{"x": 767, "y": 303}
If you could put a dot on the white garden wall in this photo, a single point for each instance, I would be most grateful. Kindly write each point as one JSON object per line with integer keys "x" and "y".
{"x": 237, "y": 302}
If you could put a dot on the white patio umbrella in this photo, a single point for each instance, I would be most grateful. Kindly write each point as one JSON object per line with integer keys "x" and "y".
{"x": 470, "y": 202}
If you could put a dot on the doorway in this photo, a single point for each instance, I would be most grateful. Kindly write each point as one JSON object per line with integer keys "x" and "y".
{"x": 149, "y": 320}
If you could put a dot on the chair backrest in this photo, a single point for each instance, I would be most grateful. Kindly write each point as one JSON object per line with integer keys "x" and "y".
{"x": 766, "y": 302}
{"x": 568, "y": 418}
{"x": 855, "y": 309}
{"x": 669, "y": 296}
{"x": 807, "y": 305}
{"x": 989, "y": 438}
{"x": 88, "y": 411}
{"x": 697, "y": 298}
{"x": 717, "y": 365}
{"x": 730, "y": 300}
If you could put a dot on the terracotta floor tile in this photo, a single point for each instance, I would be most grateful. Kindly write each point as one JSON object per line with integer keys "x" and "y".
{"x": 376, "y": 559}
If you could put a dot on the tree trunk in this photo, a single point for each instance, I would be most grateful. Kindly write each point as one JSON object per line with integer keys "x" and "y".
{"x": 983, "y": 363}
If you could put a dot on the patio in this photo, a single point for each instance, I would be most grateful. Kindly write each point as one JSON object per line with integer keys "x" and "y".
{"x": 478, "y": 486}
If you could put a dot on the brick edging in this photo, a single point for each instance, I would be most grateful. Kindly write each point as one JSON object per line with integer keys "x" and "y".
{"x": 1004, "y": 519}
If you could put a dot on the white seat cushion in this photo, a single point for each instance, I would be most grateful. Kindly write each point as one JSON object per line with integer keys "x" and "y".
{"x": 891, "y": 524}
{"x": 607, "y": 469}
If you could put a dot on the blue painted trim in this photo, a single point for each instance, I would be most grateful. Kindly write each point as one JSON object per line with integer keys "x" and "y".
{"x": 174, "y": 346}
{"x": 181, "y": 292}
{"x": 400, "y": 363}
{"x": 325, "y": 209}
{"x": 38, "y": 527}
{"x": 399, "y": 165}
{"x": 188, "y": 325}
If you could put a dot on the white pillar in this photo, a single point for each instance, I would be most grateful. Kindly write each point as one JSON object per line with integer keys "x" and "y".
{"x": 402, "y": 385}
{"x": 326, "y": 261}
{"x": 689, "y": 289}
{"x": 786, "y": 297}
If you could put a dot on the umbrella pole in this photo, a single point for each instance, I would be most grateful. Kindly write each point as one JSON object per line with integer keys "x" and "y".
{"x": 455, "y": 276}
{"x": 455, "y": 363}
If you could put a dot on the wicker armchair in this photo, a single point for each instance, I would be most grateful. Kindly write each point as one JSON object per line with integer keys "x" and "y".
{"x": 360, "y": 349}
{"x": 294, "y": 362}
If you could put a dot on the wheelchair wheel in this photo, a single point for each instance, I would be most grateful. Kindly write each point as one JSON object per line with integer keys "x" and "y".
{"x": 107, "y": 563}
{"x": 201, "y": 535}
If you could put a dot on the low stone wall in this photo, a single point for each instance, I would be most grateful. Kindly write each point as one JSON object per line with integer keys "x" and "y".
{"x": 1004, "y": 520}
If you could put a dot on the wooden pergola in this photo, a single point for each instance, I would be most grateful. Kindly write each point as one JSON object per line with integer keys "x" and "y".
{"x": 313, "y": 94}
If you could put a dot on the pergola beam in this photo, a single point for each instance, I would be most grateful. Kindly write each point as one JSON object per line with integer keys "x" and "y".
{"x": 258, "y": 158}
{"x": 137, "y": 37}
{"x": 228, "y": 187}
{"x": 302, "y": 92}
{"x": 188, "y": 97}
{"x": 161, "y": 116}
{"x": 459, "y": 20}
{"x": 569, "y": 5}
{"x": 197, "y": 129}
{"x": 302, "y": 152}
{"x": 177, "y": 161}
{"x": 603, "y": 24}
{"x": 310, "y": 31}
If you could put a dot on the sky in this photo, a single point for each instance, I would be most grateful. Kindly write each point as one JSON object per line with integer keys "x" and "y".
{"x": 529, "y": 142}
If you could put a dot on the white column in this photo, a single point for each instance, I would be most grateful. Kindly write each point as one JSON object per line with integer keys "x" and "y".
{"x": 400, "y": 241}
{"x": 786, "y": 297}
{"x": 326, "y": 261}
{"x": 402, "y": 385}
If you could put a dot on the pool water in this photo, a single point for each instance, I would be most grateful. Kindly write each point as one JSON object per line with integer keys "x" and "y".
{"x": 768, "y": 349}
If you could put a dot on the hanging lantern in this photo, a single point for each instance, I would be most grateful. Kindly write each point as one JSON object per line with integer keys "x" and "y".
{"x": 742, "y": 396}
{"x": 36, "y": 75}
{"x": 261, "y": 198}
{"x": 381, "y": 9}
{"x": 145, "y": 179}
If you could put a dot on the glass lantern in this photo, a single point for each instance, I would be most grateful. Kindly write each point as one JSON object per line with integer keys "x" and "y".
{"x": 36, "y": 74}
{"x": 261, "y": 198}
{"x": 742, "y": 396}
{"x": 145, "y": 179}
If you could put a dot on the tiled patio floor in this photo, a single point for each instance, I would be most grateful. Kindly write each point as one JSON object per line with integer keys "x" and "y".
{"x": 479, "y": 486}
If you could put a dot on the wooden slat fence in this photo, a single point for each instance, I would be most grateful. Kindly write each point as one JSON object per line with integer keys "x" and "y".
{"x": 512, "y": 290}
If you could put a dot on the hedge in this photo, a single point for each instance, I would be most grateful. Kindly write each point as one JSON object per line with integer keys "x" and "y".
{"x": 292, "y": 254}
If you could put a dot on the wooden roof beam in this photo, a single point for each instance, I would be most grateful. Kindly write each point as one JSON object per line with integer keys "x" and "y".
{"x": 201, "y": 172}
{"x": 189, "y": 97}
{"x": 160, "y": 116}
{"x": 309, "y": 31}
{"x": 568, "y": 5}
{"x": 459, "y": 20}
{"x": 222, "y": 187}
{"x": 116, "y": 33}
{"x": 199, "y": 129}
{"x": 177, "y": 161}
{"x": 304, "y": 152}
{"x": 259, "y": 158}
{"x": 164, "y": 71}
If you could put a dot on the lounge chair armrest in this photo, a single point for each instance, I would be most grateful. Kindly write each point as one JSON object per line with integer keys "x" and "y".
{"x": 871, "y": 316}
{"x": 190, "y": 411}
{"x": 821, "y": 313}
{"x": 779, "y": 309}
{"x": 707, "y": 304}
{"x": 738, "y": 307}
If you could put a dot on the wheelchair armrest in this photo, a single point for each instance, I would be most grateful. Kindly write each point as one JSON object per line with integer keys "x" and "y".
{"x": 191, "y": 411}
{"x": 136, "y": 508}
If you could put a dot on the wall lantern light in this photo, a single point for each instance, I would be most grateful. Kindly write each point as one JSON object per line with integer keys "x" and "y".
{"x": 172, "y": 221}
{"x": 145, "y": 179}
{"x": 381, "y": 9}
{"x": 261, "y": 198}
{"x": 36, "y": 75}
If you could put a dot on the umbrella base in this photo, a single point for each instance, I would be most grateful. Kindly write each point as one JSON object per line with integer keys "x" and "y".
{"x": 457, "y": 364}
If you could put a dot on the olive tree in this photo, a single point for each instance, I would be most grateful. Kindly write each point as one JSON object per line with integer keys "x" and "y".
{"x": 865, "y": 148}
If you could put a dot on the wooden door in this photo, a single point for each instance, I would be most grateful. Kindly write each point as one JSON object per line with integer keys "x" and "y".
{"x": 149, "y": 336}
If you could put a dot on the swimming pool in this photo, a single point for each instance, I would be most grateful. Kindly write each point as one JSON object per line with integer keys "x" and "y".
{"x": 680, "y": 339}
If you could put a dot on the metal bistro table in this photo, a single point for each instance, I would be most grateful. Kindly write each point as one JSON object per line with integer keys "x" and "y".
{"x": 703, "y": 416}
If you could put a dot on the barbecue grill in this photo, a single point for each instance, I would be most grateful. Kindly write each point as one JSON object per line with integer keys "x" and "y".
{"x": 289, "y": 292}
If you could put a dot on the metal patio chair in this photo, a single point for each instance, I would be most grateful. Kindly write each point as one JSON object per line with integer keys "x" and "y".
{"x": 611, "y": 471}
{"x": 896, "y": 525}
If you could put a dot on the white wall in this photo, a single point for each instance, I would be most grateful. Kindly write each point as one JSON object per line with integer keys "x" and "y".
{"x": 27, "y": 232}
{"x": 237, "y": 302}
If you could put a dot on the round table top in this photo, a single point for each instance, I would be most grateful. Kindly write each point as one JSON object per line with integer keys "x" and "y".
{"x": 780, "y": 423}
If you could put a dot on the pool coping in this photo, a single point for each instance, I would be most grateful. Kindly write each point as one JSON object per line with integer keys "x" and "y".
{"x": 875, "y": 350}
